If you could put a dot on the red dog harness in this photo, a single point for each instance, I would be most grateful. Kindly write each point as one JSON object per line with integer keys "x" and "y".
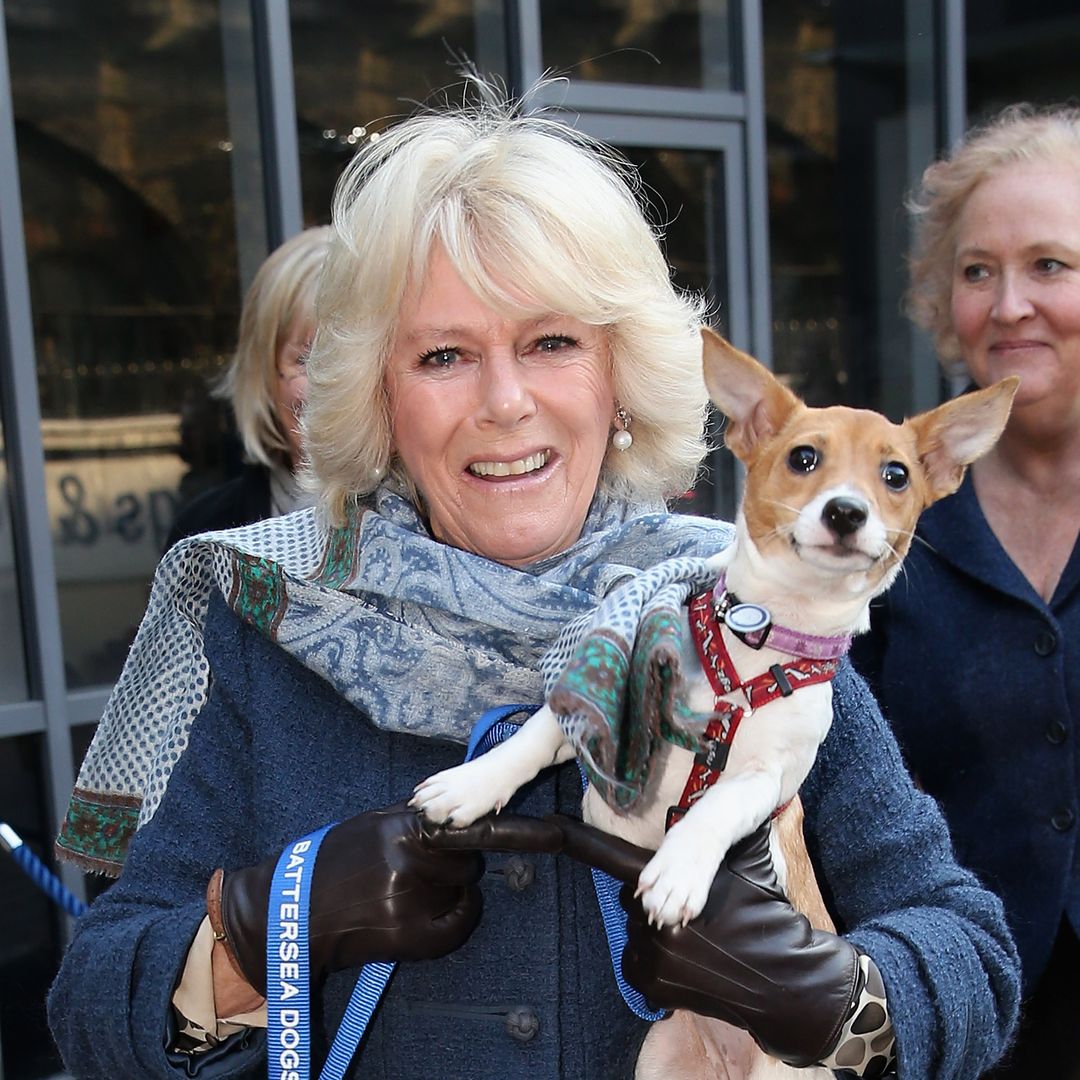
{"x": 781, "y": 680}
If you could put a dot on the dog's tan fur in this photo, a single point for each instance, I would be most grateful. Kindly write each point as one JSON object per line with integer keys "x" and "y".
{"x": 787, "y": 557}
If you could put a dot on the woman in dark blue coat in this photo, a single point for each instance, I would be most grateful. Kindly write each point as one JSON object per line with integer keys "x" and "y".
{"x": 503, "y": 389}
{"x": 975, "y": 652}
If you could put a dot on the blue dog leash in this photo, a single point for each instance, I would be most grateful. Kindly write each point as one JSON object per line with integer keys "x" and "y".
{"x": 489, "y": 730}
{"x": 492, "y": 729}
{"x": 607, "y": 896}
{"x": 288, "y": 967}
{"x": 288, "y": 981}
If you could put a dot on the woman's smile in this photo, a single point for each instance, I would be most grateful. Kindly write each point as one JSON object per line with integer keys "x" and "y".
{"x": 501, "y": 421}
{"x": 522, "y": 466}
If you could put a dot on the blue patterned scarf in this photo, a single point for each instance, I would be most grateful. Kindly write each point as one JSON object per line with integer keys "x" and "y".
{"x": 421, "y": 636}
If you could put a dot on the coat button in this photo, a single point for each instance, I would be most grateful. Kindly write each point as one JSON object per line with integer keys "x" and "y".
{"x": 1062, "y": 820}
{"x": 1045, "y": 642}
{"x": 519, "y": 873}
{"x": 1056, "y": 732}
{"x": 522, "y": 1023}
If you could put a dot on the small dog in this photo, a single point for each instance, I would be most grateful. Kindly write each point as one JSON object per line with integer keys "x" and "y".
{"x": 828, "y": 511}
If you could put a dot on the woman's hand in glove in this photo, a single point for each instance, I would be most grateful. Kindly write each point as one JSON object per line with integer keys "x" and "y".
{"x": 749, "y": 958}
{"x": 378, "y": 893}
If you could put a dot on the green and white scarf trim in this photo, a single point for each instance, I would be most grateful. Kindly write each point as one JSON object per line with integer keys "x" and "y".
{"x": 613, "y": 678}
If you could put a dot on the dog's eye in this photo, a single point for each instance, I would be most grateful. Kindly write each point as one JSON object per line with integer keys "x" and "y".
{"x": 803, "y": 459}
{"x": 895, "y": 476}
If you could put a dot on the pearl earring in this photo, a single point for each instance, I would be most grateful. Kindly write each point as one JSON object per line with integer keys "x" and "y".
{"x": 622, "y": 439}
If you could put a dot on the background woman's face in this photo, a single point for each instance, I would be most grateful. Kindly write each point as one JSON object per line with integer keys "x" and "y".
{"x": 502, "y": 423}
{"x": 291, "y": 387}
{"x": 1016, "y": 282}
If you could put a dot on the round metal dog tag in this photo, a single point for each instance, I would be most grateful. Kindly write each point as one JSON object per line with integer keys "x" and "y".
{"x": 747, "y": 618}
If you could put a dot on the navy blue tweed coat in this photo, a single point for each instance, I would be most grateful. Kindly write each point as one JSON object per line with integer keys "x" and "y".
{"x": 275, "y": 753}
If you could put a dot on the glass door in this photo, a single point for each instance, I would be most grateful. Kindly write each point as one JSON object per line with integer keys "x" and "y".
{"x": 693, "y": 172}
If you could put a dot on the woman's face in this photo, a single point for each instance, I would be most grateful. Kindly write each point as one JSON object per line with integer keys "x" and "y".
{"x": 1016, "y": 284}
{"x": 501, "y": 423}
{"x": 291, "y": 387}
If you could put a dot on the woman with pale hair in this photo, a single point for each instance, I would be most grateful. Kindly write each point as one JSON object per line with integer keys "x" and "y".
{"x": 987, "y": 716}
{"x": 503, "y": 390}
{"x": 265, "y": 385}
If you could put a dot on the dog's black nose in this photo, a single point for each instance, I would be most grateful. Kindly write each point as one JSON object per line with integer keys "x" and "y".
{"x": 843, "y": 516}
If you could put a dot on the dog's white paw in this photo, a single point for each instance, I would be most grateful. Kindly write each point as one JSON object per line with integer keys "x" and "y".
{"x": 457, "y": 796}
{"x": 675, "y": 882}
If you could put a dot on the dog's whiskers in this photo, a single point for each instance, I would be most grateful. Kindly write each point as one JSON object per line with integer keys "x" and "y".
{"x": 795, "y": 510}
{"x": 784, "y": 530}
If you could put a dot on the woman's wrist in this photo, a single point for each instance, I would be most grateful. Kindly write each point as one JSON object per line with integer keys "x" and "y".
{"x": 233, "y": 994}
{"x": 217, "y": 925}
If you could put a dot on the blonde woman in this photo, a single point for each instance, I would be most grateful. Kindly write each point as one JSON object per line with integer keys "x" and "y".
{"x": 265, "y": 385}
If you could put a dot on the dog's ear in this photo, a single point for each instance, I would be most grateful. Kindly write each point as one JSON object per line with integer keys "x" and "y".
{"x": 756, "y": 404}
{"x": 952, "y": 436}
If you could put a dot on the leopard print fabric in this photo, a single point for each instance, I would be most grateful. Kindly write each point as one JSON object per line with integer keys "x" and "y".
{"x": 866, "y": 1047}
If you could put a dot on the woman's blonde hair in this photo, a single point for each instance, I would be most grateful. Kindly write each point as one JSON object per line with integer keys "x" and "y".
{"x": 282, "y": 291}
{"x": 1020, "y": 133}
{"x": 518, "y": 202}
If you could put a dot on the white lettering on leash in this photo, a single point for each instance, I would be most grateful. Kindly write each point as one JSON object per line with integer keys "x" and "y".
{"x": 288, "y": 968}
{"x": 288, "y": 1058}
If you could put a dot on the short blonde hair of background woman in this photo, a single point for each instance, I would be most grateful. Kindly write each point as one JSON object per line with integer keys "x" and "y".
{"x": 519, "y": 202}
{"x": 1020, "y": 133}
{"x": 283, "y": 289}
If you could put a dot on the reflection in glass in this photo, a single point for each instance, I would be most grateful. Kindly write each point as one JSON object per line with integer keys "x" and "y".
{"x": 1020, "y": 52}
{"x": 129, "y": 225}
{"x": 12, "y": 652}
{"x": 684, "y": 194}
{"x": 686, "y": 199}
{"x": 800, "y": 100}
{"x": 674, "y": 43}
{"x": 358, "y": 67}
{"x": 837, "y": 140}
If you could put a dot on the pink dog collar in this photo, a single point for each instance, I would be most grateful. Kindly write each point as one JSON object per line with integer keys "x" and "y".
{"x": 753, "y": 625}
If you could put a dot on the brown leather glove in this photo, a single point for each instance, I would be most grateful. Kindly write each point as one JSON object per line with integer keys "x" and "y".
{"x": 378, "y": 893}
{"x": 505, "y": 832}
{"x": 749, "y": 959}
